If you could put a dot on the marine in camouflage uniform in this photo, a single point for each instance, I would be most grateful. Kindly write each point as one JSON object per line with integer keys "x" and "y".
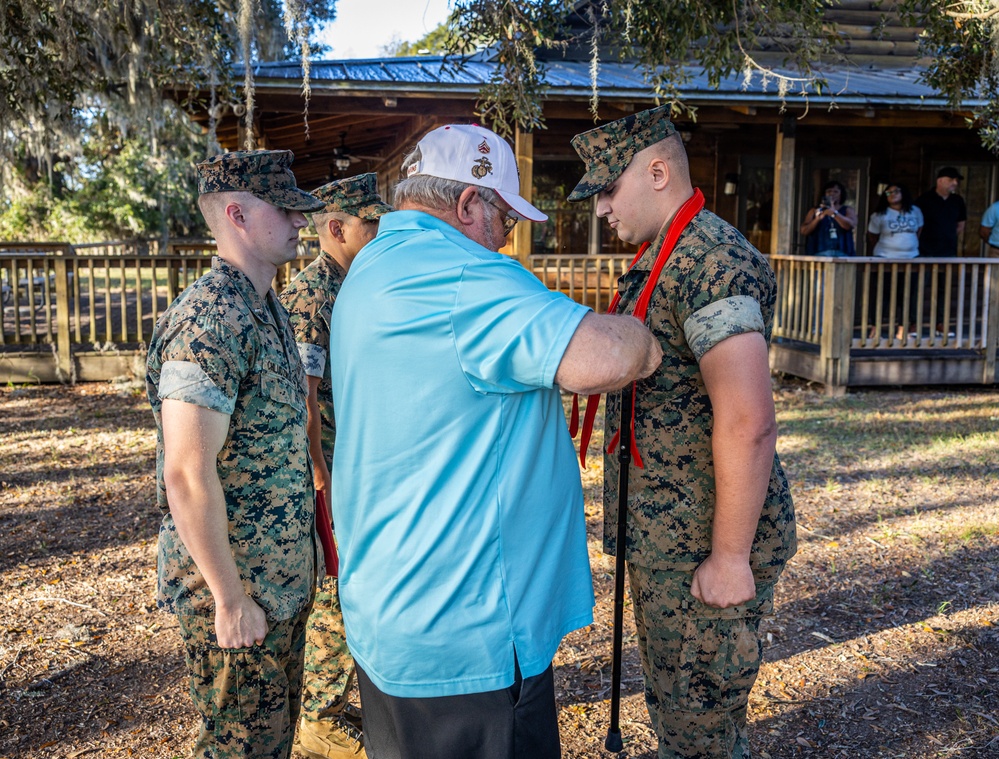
{"x": 237, "y": 553}
{"x": 348, "y": 220}
{"x": 700, "y": 651}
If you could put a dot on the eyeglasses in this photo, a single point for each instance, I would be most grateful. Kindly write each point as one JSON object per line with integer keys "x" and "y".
{"x": 893, "y": 191}
{"x": 509, "y": 220}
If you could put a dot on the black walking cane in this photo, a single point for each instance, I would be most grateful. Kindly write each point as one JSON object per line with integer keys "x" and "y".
{"x": 614, "y": 742}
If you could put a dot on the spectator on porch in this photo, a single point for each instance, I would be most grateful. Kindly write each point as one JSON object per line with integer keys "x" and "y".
{"x": 894, "y": 228}
{"x": 893, "y": 232}
{"x": 989, "y": 230}
{"x": 828, "y": 226}
{"x": 944, "y": 215}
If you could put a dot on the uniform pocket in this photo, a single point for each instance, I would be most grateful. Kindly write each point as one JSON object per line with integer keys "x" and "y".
{"x": 720, "y": 655}
{"x": 280, "y": 389}
{"x": 233, "y": 679}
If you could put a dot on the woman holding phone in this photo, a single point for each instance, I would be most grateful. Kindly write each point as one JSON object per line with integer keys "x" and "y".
{"x": 828, "y": 226}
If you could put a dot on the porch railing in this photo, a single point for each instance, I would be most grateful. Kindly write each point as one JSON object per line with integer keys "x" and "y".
{"x": 590, "y": 280}
{"x": 83, "y": 311}
{"x": 838, "y": 321}
{"x": 860, "y": 318}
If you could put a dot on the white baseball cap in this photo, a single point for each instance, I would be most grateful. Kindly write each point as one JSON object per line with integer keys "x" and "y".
{"x": 474, "y": 155}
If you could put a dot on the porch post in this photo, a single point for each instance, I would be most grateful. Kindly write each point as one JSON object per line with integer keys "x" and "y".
{"x": 64, "y": 357}
{"x": 838, "y": 295}
{"x": 782, "y": 221}
{"x": 522, "y": 233}
{"x": 992, "y": 339}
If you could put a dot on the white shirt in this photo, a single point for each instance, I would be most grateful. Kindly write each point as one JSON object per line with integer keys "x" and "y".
{"x": 897, "y": 232}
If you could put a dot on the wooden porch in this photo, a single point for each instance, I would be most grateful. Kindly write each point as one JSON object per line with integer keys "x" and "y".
{"x": 85, "y": 312}
{"x": 850, "y": 322}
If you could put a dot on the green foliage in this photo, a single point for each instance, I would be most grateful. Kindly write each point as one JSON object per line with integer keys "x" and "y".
{"x": 56, "y": 56}
{"x": 117, "y": 187}
{"x": 515, "y": 30}
{"x": 87, "y": 136}
{"x": 710, "y": 34}
{"x": 715, "y": 35}
{"x": 961, "y": 42}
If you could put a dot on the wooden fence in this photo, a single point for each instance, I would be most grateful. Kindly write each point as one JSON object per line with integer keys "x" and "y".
{"x": 873, "y": 321}
{"x": 590, "y": 280}
{"x": 85, "y": 312}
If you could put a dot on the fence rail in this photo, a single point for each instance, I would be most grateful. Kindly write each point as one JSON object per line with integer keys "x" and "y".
{"x": 590, "y": 280}
{"x": 851, "y": 321}
{"x": 842, "y": 322}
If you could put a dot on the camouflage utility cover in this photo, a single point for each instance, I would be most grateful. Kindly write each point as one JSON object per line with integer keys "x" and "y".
{"x": 309, "y": 300}
{"x": 265, "y": 174}
{"x": 357, "y": 196}
{"x": 714, "y": 285}
{"x": 607, "y": 150}
{"x": 221, "y": 346}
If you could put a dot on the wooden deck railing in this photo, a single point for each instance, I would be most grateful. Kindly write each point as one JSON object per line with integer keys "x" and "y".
{"x": 853, "y": 321}
{"x": 83, "y": 311}
{"x": 590, "y": 280}
{"x": 841, "y": 321}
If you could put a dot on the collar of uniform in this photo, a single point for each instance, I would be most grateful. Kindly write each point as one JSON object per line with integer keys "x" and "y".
{"x": 243, "y": 286}
{"x": 328, "y": 260}
{"x": 648, "y": 258}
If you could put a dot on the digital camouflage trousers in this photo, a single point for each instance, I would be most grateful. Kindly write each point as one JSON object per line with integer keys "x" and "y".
{"x": 699, "y": 664}
{"x": 248, "y": 698}
{"x": 329, "y": 667}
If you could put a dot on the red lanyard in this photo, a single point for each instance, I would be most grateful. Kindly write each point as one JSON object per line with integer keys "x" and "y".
{"x": 683, "y": 217}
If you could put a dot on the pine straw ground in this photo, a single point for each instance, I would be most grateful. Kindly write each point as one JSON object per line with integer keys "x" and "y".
{"x": 884, "y": 642}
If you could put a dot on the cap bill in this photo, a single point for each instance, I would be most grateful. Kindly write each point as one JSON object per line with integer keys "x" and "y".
{"x": 521, "y": 207}
{"x": 292, "y": 198}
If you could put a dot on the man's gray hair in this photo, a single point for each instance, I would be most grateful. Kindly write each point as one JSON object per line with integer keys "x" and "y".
{"x": 433, "y": 192}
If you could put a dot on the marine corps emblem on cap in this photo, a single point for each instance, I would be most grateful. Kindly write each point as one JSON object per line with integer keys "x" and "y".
{"x": 481, "y": 167}
{"x": 458, "y": 152}
{"x": 357, "y": 196}
{"x": 607, "y": 150}
{"x": 265, "y": 174}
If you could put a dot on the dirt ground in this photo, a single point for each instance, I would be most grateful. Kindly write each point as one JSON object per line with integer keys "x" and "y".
{"x": 885, "y": 640}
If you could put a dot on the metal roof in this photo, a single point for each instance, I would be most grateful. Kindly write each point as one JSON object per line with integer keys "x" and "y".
{"x": 847, "y": 85}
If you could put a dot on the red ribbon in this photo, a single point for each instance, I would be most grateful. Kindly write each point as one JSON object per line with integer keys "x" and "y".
{"x": 683, "y": 217}
{"x": 324, "y": 526}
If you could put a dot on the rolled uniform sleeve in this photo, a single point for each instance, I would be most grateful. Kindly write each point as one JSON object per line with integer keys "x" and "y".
{"x": 313, "y": 359}
{"x": 718, "y": 298}
{"x": 710, "y": 325}
{"x": 202, "y": 364}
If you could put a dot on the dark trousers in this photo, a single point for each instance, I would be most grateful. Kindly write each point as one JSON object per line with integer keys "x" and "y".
{"x": 518, "y": 722}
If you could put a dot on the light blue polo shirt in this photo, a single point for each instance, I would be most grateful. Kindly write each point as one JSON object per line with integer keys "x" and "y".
{"x": 456, "y": 493}
{"x": 990, "y": 220}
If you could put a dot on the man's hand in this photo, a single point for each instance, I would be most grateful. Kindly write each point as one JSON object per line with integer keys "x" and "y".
{"x": 241, "y": 625}
{"x": 721, "y": 582}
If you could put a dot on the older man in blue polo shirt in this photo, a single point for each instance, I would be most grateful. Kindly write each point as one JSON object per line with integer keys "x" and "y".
{"x": 456, "y": 493}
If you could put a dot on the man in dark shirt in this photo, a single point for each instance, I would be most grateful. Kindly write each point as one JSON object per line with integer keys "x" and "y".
{"x": 944, "y": 215}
